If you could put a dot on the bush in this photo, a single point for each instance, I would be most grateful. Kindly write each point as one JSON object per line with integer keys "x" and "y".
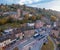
{"x": 58, "y": 45}
{"x": 16, "y": 48}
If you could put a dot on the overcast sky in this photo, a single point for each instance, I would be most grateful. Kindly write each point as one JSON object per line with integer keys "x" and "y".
{"x": 48, "y": 4}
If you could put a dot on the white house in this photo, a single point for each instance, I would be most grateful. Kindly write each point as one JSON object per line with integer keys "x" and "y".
{"x": 8, "y": 30}
{"x": 4, "y": 43}
{"x": 30, "y": 24}
{"x": 30, "y": 15}
{"x": 55, "y": 24}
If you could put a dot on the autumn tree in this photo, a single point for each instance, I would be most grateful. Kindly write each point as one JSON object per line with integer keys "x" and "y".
{"x": 16, "y": 48}
{"x": 33, "y": 18}
{"x": 39, "y": 17}
{"x": 3, "y": 21}
{"x": 53, "y": 18}
{"x": 26, "y": 16}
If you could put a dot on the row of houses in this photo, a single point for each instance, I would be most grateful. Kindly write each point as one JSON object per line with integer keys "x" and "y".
{"x": 10, "y": 36}
{"x": 18, "y": 14}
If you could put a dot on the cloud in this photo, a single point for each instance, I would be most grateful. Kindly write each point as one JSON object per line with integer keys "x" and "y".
{"x": 28, "y": 1}
{"x": 48, "y": 4}
{"x": 19, "y": 1}
{"x": 54, "y": 5}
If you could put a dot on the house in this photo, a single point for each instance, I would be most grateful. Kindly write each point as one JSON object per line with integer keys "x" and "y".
{"x": 28, "y": 33}
{"x": 19, "y": 35}
{"x": 58, "y": 23}
{"x": 46, "y": 19}
{"x": 30, "y": 15}
{"x": 48, "y": 25}
{"x": 8, "y": 30}
{"x": 55, "y": 32}
{"x": 30, "y": 24}
{"x": 55, "y": 24}
{"x": 1, "y": 13}
{"x": 25, "y": 12}
{"x": 20, "y": 18}
{"x": 39, "y": 24}
{"x": 18, "y": 13}
{"x": 6, "y": 42}
{"x": 13, "y": 14}
{"x": 7, "y": 38}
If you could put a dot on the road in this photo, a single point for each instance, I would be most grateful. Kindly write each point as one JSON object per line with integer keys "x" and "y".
{"x": 26, "y": 42}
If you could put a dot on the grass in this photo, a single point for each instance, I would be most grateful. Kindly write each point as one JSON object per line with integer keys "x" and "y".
{"x": 49, "y": 46}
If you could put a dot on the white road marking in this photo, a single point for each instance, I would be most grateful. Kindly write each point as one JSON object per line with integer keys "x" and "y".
{"x": 23, "y": 42}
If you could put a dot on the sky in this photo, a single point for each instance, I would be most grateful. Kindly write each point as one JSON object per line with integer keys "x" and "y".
{"x": 48, "y": 4}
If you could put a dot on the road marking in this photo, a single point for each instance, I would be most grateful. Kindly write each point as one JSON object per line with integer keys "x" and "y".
{"x": 30, "y": 43}
{"x": 23, "y": 42}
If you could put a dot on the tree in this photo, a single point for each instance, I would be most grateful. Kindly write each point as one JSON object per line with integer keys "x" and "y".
{"x": 1, "y": 30}
{"x": 10, "y": 20}
{"x": 58, "y": 45}
{"x": 26, "y": 16}
{"x": 53, "y": 18}
{"x": 16, "y": 48}
{"x": 3, "y": 21}
{"x": 39, "y": 17}
{"x": 33, "y": 18}
{"x": 1, "y": 34}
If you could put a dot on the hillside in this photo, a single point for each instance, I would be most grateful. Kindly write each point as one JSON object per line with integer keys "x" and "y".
{"x": 33, "y": 10}
{"x": 37, "y": 14}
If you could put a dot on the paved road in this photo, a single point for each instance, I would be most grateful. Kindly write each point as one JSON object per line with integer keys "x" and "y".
{"x": 20, "y": 45}
{"x": 26, "y": 42}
